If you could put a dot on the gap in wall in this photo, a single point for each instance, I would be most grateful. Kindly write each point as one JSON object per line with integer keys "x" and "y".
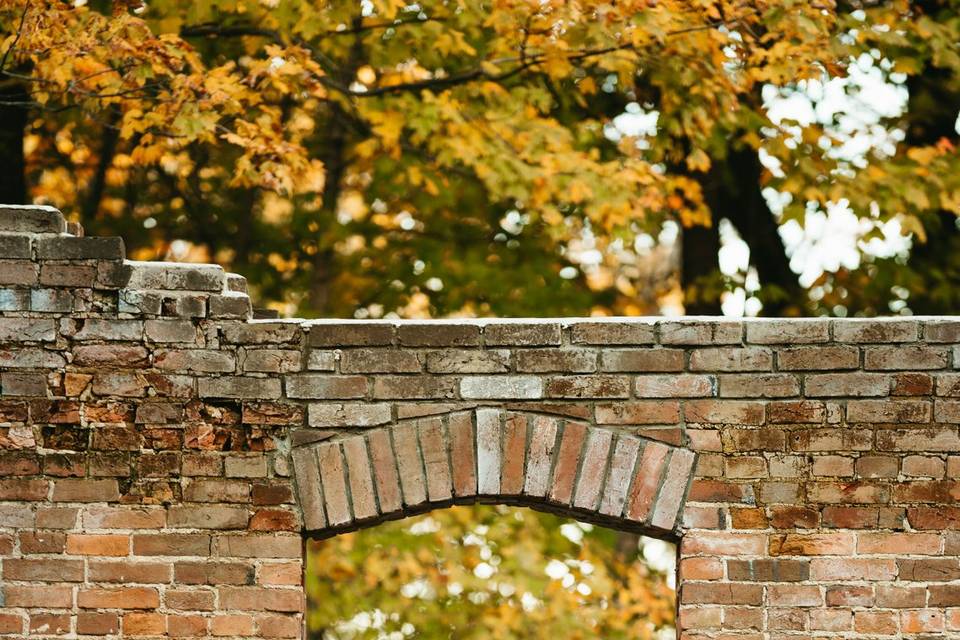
{"x": 490, "y": 571}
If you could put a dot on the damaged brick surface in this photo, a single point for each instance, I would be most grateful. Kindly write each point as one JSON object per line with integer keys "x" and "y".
{"x": 163, "y": 455}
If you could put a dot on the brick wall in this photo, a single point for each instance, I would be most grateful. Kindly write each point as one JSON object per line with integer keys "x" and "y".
{"x": 162, "y": 456}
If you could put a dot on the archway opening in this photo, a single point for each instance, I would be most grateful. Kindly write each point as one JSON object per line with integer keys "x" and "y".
{"x": 490, "y": 571}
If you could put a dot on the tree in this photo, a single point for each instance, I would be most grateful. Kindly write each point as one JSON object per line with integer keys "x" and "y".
{"x": 456, "y": 157}
{"x": 488, "y": 572}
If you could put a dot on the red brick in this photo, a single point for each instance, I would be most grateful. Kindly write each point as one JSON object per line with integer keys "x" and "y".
{"x": 97, "y": 624}
{"x": 898, "y": 543}
{"x": 731, "y": 593}
{"x": 278, "y": 626}
{"x": 262, "y": 546}
{"x": 568, "y": 459}
{"x": 701, "y": 568}
{"x": 462, "y": 457}
{"x": 849, "y": 569}
{"x": 515, "y": 454}
{"x": 280, "y": 573}
{"x": 593, "y": 468}
{"x": 850, "y": 596}
{"x": 643, "y": 412}
{"x": 723, "y": 411}
{"x": 123, "y": 571}
{"x": 189, "y": 599}
{"x": 332, "y": 476}
{"x": 45, "y": 597}
{"x": 42, "y": 542}
{"x": 543, "y": 442}
{"x": 934, "y": 518}
{"x": 144, "y": 624}
{"x": 232, "y": 625}
{"x": 49, "y": 624}
{"x": 85, "y": 490}
{"x": 435, "y": 459}
{"x": 875, "y": 622}
{"x": 719, "y": 491}
{"x": 621, "y": 469}
{"x": 213, "y": 573}
{"x": 307, "y": 471}
{"x": 794, "y": 517}
{"x": 273, "y": 520}
{"x": 171, "y": 544}
{"x": 812, "y": 544}
{"x": 674, "y": 487}
{"x": 385, "y": 471}
{"x": 851, "y": 517}
{"x": 259, "y": 599}
{"x": 181, "y": 626}
{"x": 748, "y": 518}
{"x": 409, "y": 465}
{"x": 359, "y": 477}
{"x": 45, "y": 570}
{"x": 118, "y": 598}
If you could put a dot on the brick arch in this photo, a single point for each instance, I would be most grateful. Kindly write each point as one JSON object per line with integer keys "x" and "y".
{"x": 492, "y": 455}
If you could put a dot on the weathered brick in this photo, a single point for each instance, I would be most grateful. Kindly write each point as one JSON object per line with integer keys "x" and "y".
{"x": 818, "y": 358}
{"x": 409, "y": 465}
{"x": 350, "y": 334}
{"x": 764, "y": 385}
{"x": 797, "y": 331}
{"x": 597, "y": 386}
{"x": 732, "y": 359}
{"x": 647, "y": 480}
{"x": 699, "y": 332}
{"x": 875, "y": 330}
{"x": 170, "y": 331}
{"x": 902, "y": 357}
{"x": 27, "y": 330}
{"x": 898, "y": 411}
{"x": 239, "y": 387}
{"x": 43, "y": 570}
{"x": 556, "y": 361}
{"x": 568, "y": 459}
{"x": 118, "y": 598}
{"x": 195, "y": 360}
{"x": 846, "y": 384}
{"x": 70, "y": 248}
{"x": 360, "y": 478}
{"x": 501, "y": 387}
{"x": 536, "y": 333}
{"x": 348, "y": 414}
{"x": 674, "y": 386}
{"x": 324, "y": 387}
{"x": 723, "y": 411}
{"x": 438, "y": 334}
{"x": 387, "y": 387}
{"x": 207, "y": 517}
{"x": 380, "y": 361}
{"x": 612, "y": 332}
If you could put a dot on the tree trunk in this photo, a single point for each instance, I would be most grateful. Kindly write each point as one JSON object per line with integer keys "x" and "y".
{"x": 931, "y": 117}
{"x": 108, "y": 148}
{"x": 13, "y": 122}
{"x": 700, "y": 264}
{"x": 734, "y": 192}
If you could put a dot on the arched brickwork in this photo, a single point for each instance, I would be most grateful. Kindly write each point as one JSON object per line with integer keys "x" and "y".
{"x": 506, "y": 456}
{"x": 163, "y": 454}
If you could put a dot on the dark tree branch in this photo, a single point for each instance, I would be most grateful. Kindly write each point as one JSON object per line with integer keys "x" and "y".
{"x": 13, "y": 45}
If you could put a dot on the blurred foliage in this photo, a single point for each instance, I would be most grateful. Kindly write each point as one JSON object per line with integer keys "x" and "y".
{"x": 488, "y": 572}
{"x": 453, "y": 157}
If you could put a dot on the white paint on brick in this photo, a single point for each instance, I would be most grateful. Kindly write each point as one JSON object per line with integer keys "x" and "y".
{"x": 501, "y": 387}
{"x": 488, "y": 451}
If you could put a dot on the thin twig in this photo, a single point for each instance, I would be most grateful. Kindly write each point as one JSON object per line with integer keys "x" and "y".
{"x": 23, "y": 18}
